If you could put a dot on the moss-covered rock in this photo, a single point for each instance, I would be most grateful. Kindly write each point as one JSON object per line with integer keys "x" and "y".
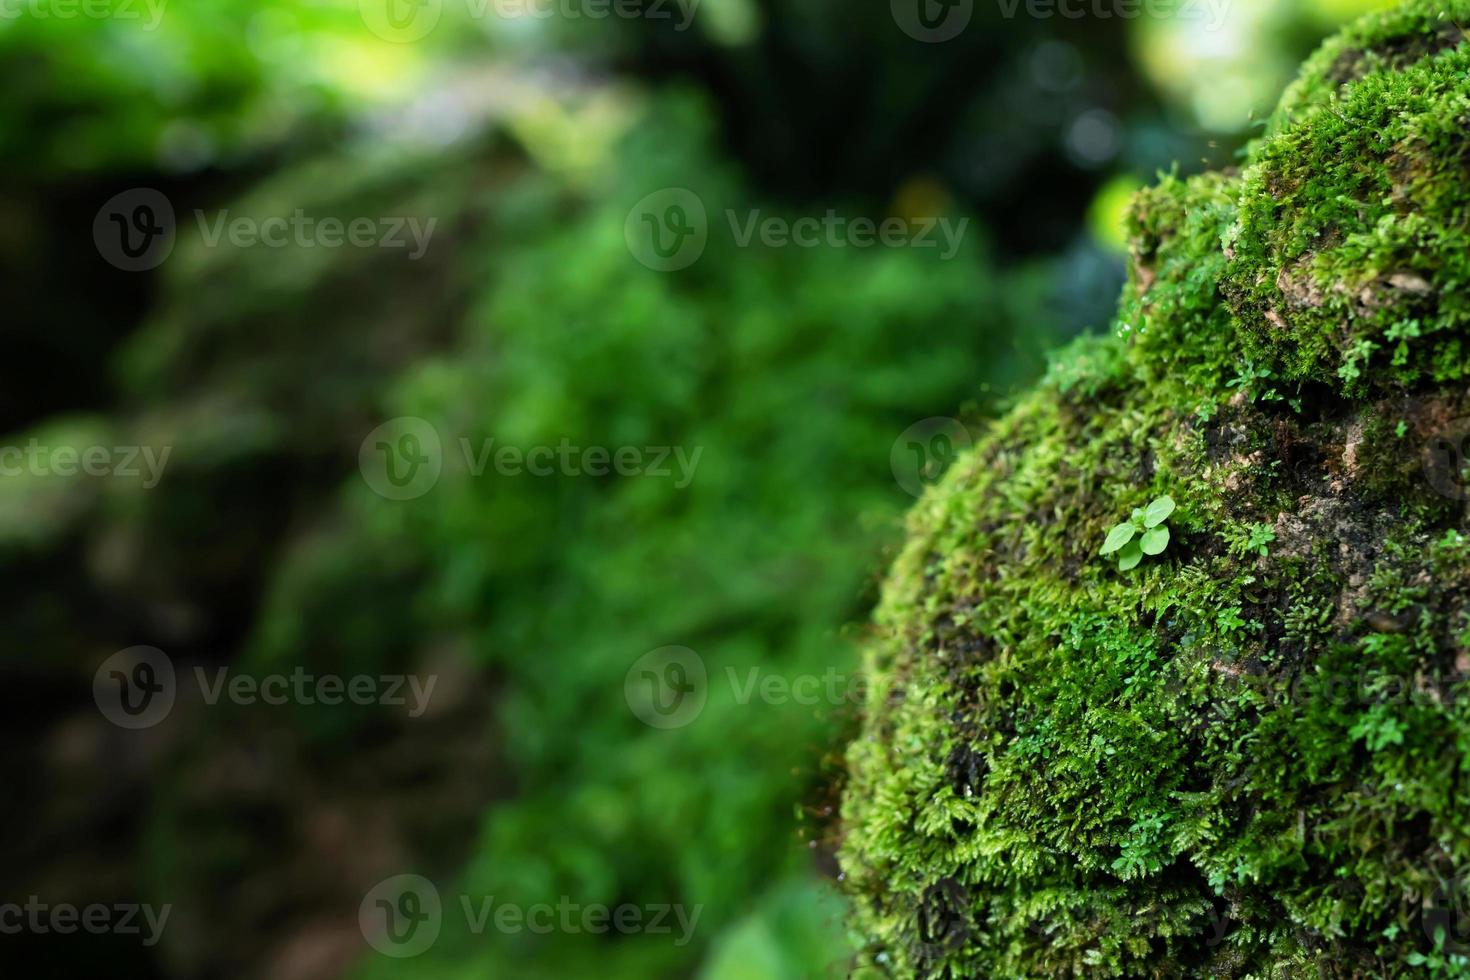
{"x": 1246, "y": 755}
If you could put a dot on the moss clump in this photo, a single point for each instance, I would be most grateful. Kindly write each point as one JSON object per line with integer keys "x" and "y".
{"x": 1349, "y": 252}
{"x": 1248, "y": 756}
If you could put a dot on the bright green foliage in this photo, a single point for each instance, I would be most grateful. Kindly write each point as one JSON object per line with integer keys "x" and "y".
{"x": 1249, "y": 760}
{"x": 1142, "y": 534}
{"x": 176, "y": 86}
{"x": 158, "y": 86}
{"x": 1349, "y": 252}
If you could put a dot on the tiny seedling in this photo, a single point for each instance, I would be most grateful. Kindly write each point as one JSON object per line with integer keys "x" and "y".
{"x": 1142, "y": 534}
{"x": 1248, "y": 539}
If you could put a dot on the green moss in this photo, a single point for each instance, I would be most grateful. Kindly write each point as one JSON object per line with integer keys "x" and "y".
{"x": 1388, "y": 41}
{"x": 1242, "y": 758}
{"x": 1348, "y": 255}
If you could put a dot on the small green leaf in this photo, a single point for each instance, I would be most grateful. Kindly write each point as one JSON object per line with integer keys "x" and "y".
{"x": 1117, "y": 538}
{"x": 1158, "y": 511}
{"x": 1130, "y": 556}
{"x": 1154, "y": 540}
{"x": 1137, "y": 514}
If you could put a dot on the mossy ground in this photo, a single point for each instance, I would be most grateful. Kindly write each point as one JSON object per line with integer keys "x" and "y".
{"x": 1246, "y": 756}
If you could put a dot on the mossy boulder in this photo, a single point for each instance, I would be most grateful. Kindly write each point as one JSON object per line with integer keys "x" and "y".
{"x": 1246, "y": 755}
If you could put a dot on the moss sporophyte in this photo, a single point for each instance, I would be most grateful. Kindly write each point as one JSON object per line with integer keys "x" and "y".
{"x": 1137, "y": 775}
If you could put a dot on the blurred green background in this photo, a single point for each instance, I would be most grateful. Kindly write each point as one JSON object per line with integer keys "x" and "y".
{"x": 530, "y": 319}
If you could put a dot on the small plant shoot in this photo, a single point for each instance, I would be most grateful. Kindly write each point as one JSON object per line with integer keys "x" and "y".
{"x": 1142, "y": 534}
